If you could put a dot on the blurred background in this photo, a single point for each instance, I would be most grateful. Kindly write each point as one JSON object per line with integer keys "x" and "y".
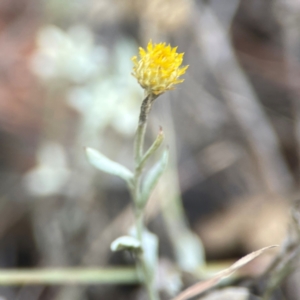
{"x": 233, "y": 129}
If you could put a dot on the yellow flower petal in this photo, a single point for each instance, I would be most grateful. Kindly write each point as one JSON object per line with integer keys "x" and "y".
{"x": 158, "y": 68}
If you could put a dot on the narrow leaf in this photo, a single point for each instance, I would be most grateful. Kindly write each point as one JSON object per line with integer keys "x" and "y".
{"x": 159, "y": 139}
{"x": 202, "y": 286}
{"x": 152, "y": 177}
{"x": 101, "y": 162}
{"x": 125, "y": 243}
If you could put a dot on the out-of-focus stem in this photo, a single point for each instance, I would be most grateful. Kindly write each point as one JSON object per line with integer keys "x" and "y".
{"x": 69, "y": 276}
{"x": 242, "y": 100}
{"x": 288, "y": 16}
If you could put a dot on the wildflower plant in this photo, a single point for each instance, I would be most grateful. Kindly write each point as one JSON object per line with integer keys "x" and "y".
{"x": 157, "y": 70}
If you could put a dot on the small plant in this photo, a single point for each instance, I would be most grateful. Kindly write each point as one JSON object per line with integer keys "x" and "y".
{"x": 157, "y": 70}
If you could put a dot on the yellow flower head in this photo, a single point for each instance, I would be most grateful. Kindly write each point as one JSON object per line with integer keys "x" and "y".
{"x": 158, "y": 68}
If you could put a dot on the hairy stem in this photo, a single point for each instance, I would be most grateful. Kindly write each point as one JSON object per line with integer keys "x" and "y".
{"x": 148, "y": 276}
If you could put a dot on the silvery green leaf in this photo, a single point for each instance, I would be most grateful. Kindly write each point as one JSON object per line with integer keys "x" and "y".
{"x": 106, "y": 165}
{"x": 125, "y": 243}
{"x": 189, "y": 251}
{"x": 150, "y": 250}
{"x": 152, "y": 177}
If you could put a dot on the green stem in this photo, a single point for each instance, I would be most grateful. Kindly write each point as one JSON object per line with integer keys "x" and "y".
{"x": 148, "y": 277}
{"x": 65, "y": 276}
{"x": 139, "y": 223}
{"x": 140, "y": 133}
